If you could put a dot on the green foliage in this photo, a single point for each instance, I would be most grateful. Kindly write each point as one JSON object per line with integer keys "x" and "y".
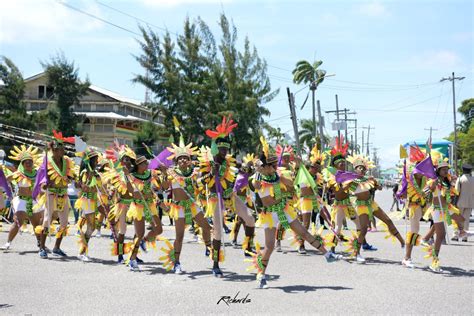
{"x": 306, "y": 73}
{"x": 198, "y": 80}
{"x": 467, "y": 110}
{"x": 465, "y": 133}
{"x": 307, "y": 140}
{"x": 63, "y": 76}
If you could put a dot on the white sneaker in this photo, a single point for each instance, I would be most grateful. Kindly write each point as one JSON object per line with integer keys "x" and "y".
{"x": 360, "y": 259}
{"x": 465, "y": 234}
{"x": 133, "y": 264}
{"x": 436, "y": 269}
{"x": 84, "y": 258}
{"x": 6, "y": 246}
{"x": 408, "y": 263}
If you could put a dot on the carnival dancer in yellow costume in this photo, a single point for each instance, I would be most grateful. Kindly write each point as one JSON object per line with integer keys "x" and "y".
{"x": 366, "y": 208}
{"x": 60, "y": 172}
{"x": 341, "y": 207}
{"x": 122, "y": 159}
{"x": 442, "y": 210}
{"x": 415, "y": 206}
{"x": 217, "y": 177}
{"x": 140, "y": 181}
{"x": 288, "y": 166}
{"x": 90, "y": 198}
{"x": 22, "y": 204}
{"x": 309, "y": 198}
{"x": 271, "y": 187}
{"x": 243, "y": 203}
{"x": 182, "y": 180}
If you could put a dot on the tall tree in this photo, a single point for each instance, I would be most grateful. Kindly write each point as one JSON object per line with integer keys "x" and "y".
{"x": 465, "y": 132}
{"x": 198, "y": 81}
{"x": 63, "y": 76}
{"x": 311, "y": 75}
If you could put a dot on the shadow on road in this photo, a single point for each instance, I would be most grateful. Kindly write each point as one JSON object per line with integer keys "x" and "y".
{"x": 5, "y": 306}
{"x": 452, "y": 272}
{"x": 293, "y": 289}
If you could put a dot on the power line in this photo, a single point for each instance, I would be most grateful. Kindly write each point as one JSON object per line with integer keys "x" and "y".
{"x": 135, "y": 17}
{"x": 96, "y": 17}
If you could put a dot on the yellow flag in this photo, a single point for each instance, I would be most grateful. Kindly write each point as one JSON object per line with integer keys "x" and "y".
{"x": 403, "y": 152}
{"x": 176, "y": 123}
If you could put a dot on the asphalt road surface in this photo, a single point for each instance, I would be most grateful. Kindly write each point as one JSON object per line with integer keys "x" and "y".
{"x": 298, "y": 283}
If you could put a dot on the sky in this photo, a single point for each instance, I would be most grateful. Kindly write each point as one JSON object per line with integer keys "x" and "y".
{"x": 387, "y": 57}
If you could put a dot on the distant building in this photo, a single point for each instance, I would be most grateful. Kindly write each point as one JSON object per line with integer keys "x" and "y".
{"x": 108, "y": 115}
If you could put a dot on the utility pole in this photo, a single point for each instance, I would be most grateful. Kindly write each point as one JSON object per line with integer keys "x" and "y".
{"x": 345, "y": 111}
{"x": 455, "y": 147}
{"x": 431, "y": 129}
{"x": 314, "y": 120}
{"x": 320, "y": 120}
{"x": 355, "y": 127}
{"x": 362, "y": 149}
{"x": 368, "y": 138}
{"x": 337, "y": 117}
{"x": 291, "y": 103}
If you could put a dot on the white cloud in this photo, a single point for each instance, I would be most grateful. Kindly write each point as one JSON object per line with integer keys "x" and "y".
{"x": 175, "y": 3}
{"x": 44, "y": 20}
{"x": 373, "y": 9}
{"x": 437, "y": 59}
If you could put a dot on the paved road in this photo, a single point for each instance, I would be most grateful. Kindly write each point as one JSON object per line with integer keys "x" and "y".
{"x": 298, "y": 283}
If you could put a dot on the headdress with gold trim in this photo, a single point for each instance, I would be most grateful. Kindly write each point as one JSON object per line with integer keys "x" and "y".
{"x": 316, "y": 157}
{"x": 360, "y": 160}
{"x": 439, "y": 161}
{"x": 23, "y": 153}
{"x": 181, "y": 150}
{"x": 339, "y": 151}
{"x": 220, "y": 137}
{"x": 268, "y": 155}
{"x": 117, "y": 152}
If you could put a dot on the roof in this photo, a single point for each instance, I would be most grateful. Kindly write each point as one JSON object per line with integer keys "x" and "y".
{"x": 97, "y": 89}
{"x": 110, "y": 115}
{"x": 114, "y": 116}
{"x": 434, "y": 142}
{"x": 114, "y": 95}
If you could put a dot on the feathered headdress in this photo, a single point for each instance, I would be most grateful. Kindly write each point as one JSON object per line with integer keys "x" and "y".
{"x": 281, "y": 151}
{"x": 316, "y": 157}
{"x": 268, "y": 155}
{"x": 439, "y": 161}
{"x": 223, "y": 129}
{"x": 360, "y": 160}
{"x": 416, "y": 154}
{"x": 181, "y": 150}
{"x": 59, "y": 138}
{"x": 339, "y": 151}
{"x": 117, "y": 152}
{"x": 24, "y": 153}
{"x": 220, "y": 135}
{"x": 248, "y": 159}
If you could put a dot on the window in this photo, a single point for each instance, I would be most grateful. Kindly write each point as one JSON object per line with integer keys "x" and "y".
{"x": 38, "y": 106}
{"x": 86, "y": 107}
{"x": 87, "y": 128}
{"x": 104, "y": 107}
{"x": 49, "y": 92}
{"x": 41, "y": 92}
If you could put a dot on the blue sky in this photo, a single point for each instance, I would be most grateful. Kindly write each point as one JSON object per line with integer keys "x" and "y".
{"x": 387, "y": 56}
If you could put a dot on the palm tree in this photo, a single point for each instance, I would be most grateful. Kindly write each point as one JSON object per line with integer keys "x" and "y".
{"x": 306, "y": 137}
{"x": 309, "y": 74}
